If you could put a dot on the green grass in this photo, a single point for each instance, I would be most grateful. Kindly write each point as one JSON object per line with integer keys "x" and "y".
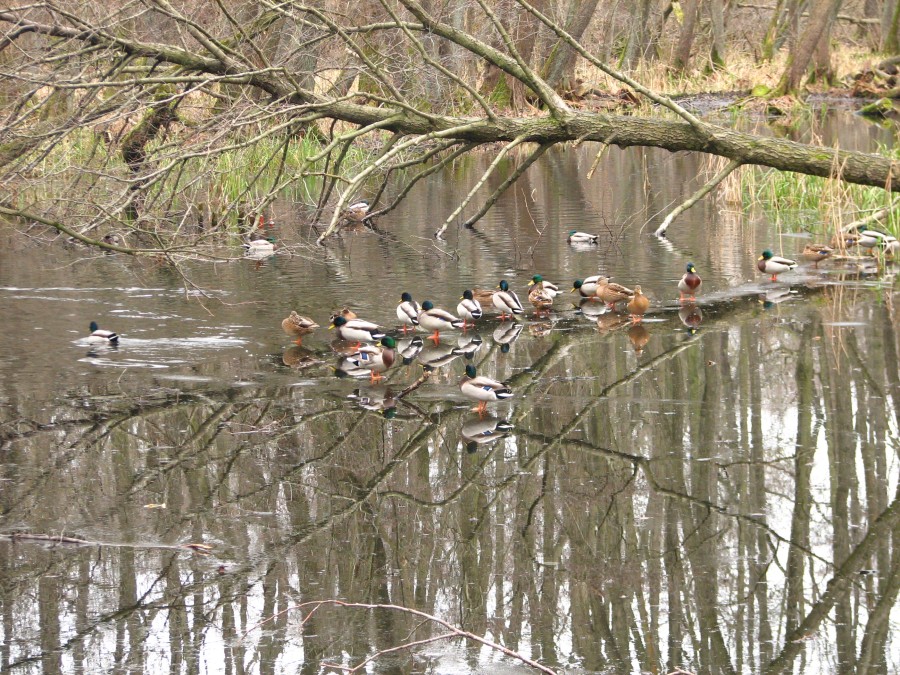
{"x": 817, "y": 205}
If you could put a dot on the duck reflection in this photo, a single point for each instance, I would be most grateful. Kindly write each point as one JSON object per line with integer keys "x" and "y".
{"x": 409, "y": 348}
{"x": 377, "y": 398}
{"x": 507, "y": 333}
{"x": 540, "y": 329}
{"x": 437, "y": 355}
{"x": 606, "y": 323}
{"x": 468, "y": 345}
{"x": 639, "y": 336}
{"x": 690, "y": 316}
{"x": 775, "y": 296}
{"x": 298, "y": 357}
{"x": 591, "y": 309}
{"x": 478, "y": 431}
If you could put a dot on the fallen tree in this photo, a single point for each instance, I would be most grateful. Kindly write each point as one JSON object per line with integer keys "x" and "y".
{"x": 223, "y": 81}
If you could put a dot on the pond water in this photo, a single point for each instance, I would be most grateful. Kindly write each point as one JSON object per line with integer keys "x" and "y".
{"x": 714, "y": 490}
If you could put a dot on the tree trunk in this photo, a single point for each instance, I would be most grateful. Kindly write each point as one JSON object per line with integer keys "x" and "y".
{"x": 802, "y": 51}
{"x": 682, "y": 56}
{"x": 717, "y": 25}
{"x": 822, "y": 70}
{"x": 558, "y": 64}
{"x": 891, "y": 28}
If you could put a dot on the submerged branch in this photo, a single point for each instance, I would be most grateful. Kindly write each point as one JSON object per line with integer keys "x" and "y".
{"x": 487, "y": 174}
{"x": 696, "y": 197}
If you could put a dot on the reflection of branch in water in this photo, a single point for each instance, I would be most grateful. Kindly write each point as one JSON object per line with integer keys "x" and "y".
{"x": 879, "y": 532}
{"x": 453, "y": 632}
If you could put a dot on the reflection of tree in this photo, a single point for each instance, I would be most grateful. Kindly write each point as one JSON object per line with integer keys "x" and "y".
{"x": 647, "y": 496}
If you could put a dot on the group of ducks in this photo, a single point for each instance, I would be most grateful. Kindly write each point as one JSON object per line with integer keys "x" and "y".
{"x": 373, "y": 350}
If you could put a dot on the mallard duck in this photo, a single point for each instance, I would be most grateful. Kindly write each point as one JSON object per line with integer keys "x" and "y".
{"x": 541, "y": 299}
{"x": 469, "y": 308}
{"x": 482, "y": 389}
{"x": 768, "y": 263}
{"x": 816, "y": 253}
{"x": 875, "y": 239}
{"x": 261, "y": 245}
{"x": 483, "y": 296}
{"x": 99, "y": 336}
{"x": 408, "y": 312}
{"x": 298, "y": 326}
{"x": 638, "y": 305}
{"x": 689, "y": 283}
{"x": 611, "y": 293}
{"x": 437, "y": 319}
{"x": 374, "y": 358}
{"x": 576, "y": 237}
{"x": 356, "y": 330}
{"x": 357, "y": 211}
{"x": 345, "y": 312}
{"x": 507, "y": 301}
{"x": 484, "y": 431}
{"x": 586, "y": 288}
{"x": 551, "y": 288}
{"x": 114, "y": 239}
{"x": 844, "y": 240}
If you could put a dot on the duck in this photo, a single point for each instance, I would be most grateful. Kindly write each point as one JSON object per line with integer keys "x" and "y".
{"x": 260, "y": 246}
{"x": 482, "y": 389}
{"x": 541, "y": 299}
{"x": 374, "y": 358}
{"x": 611, "y": 293}
{"x": 298, "y": 326}
{"x": 356, "y": 330}
{"x": 484, "y": 296}
{"x": 437, "y": 319}
{"x": 768, "y": 263}
{"x": 874, "y": 239}
{"x": 99, "y": 336}
{"x": 469, "y": 308}
{"x": 586, "y": 288}
{"x": 507, "y": 301}
{"x": 816, "y": 253}
{"x": 551, "y": 288}
{"x": 408, "y": 312}
{"x": 638, "y": 305}
{"x": 357, "y": 211}
{"x": 576, "y": 237}
{"x": 689, "y": 283}
{"x": 844, "y": 240}
{"x": 345, "y": 312}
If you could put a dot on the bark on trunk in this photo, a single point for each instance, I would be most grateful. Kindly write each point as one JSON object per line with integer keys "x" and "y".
{"x": 682, "y": 56}
{"x": 802, "y": 51}
{"x": 558, "y": 64}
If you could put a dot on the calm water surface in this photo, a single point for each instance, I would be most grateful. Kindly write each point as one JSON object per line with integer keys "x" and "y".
{"x": 714, "y": 490}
